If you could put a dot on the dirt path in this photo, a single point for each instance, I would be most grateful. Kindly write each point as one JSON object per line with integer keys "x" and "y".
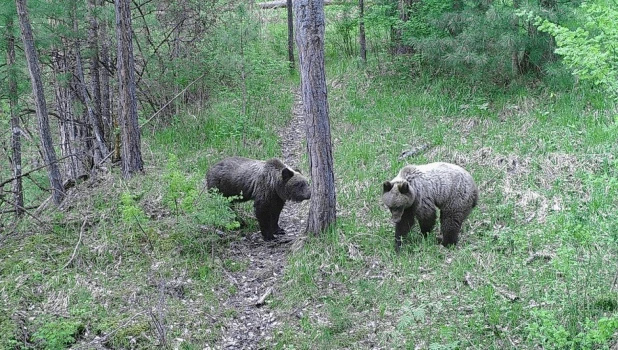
{"x": 253, "y": 324}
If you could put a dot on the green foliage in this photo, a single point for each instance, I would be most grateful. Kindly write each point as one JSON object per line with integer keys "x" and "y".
{"x": 589, "y": 50}
{"x": 57, "y": 335}
{"x": 130, "y": 210}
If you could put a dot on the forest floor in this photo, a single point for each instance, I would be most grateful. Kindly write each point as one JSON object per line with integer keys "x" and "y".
{"x": 254, "y": 321}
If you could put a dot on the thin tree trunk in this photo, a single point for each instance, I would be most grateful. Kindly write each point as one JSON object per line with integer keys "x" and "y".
{"x": 310, "y": 41}
{"x": 95, "y": 81}
{"x": 72, "y": 130}
{"x": 99, "y": 147}
{"x": 290, "y": 34}
{"x": 129, "y": 129}
{"x": 361, "y": 31}
{"x": 106, "y": 115}
{"x": 18, "y": 192}
{"x": 49, "y": 154}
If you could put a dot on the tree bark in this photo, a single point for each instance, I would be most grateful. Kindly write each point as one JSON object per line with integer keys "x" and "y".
{"x": 290, "y": 34}
{"x": 130, "y": 138}
{"x": 18, "y": 192}
{"x": 95, "y": 81}
{"x": 310, "y": 41}
{"x": 49, "y": 154}
{"x": 362, "y": 41}
{"x": 73, "y": 133}
{"x": 109, "y": 124}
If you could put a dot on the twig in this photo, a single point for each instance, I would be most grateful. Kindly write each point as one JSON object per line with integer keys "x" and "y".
{"x": 540, "y": 255}
{"x": 81, "y": 233}
{"x": 468, "y": 280}
{"x": 505, "y": 293}
{"x": 171, "y": 100}
{"x": 614, "y": 282}
{"x": 262, "y": 299}
{"x": 104, "y": 339}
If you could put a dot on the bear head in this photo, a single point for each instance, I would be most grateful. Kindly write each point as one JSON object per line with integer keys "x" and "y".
{"x": 293, "y": 186}
{"x": 397, "y": 197}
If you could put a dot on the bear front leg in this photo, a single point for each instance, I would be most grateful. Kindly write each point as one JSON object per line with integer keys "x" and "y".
{"x": 427, "y": 223}
{"x": 403, "y": 227}
{"x": 267, "y": 214}
{"x": 450, "y": 226}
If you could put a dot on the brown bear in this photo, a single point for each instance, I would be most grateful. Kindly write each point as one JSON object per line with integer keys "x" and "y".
{"x": 268, "y": 183}
{"x": 419, "y": 190}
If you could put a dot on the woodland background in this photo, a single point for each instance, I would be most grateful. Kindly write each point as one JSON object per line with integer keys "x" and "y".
{"x": 120, "y": 247}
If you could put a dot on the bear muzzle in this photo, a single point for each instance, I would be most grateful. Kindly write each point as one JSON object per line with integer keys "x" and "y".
{"x": 396, "y": 216}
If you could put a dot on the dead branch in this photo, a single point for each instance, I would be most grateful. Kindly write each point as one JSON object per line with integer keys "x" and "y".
{"x": 540, "y": 255}
{"x": 79, "y": 241}
{"x": 415, "y": 151}
{"x": 27, "y": 173}
{"x": 262, "y": 299}
{"x": 469, "y": 281}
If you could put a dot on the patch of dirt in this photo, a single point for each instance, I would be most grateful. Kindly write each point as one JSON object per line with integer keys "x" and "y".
{"x": 254, "y": 321}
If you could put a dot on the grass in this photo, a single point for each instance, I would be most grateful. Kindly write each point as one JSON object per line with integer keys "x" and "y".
{"x": 535, "y": 267}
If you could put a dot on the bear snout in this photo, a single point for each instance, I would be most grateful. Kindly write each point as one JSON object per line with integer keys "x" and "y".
{"x": 302, "y": 197}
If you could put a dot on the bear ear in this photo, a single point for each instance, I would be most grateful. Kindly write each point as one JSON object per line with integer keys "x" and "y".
{"x": 286, "y": 174}
{"x": 387, "y": 186}
{"x": 404, "y": 187}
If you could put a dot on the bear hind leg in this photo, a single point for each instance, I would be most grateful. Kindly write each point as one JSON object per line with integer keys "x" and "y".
{"x": 450, "y": 226}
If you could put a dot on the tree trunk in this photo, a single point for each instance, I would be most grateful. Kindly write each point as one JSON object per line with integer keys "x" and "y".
{"x": 95, "y": 81}
{"x": 99, "y": 149}
{"x": 361, "y": 31}
{"x": 18, "y": 192}
{"x": 310, "y": 41}
{"x": 49, "y": 154}
{"x": 403, "y": 7}
{"x": 73, "y": 133}
{"x": 110, "y": 123}
{"x": 131, "y": 153}
{"x": 290, "y": 34}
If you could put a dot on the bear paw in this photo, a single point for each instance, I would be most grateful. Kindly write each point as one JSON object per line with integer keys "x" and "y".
{"x": 280, "y": 232}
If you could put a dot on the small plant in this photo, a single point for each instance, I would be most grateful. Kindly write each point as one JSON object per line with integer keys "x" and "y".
{"x": 58, "y": 334}
{"x": 131, "y": 212}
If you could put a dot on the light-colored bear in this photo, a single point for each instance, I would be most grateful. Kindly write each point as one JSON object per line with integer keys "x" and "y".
{"x": 418, "y": 191}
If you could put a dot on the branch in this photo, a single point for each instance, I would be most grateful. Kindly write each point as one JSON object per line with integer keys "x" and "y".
{"x": 172, "y": 99}
{"x": 81, "y": 233}
{"x": 35, "y": 169}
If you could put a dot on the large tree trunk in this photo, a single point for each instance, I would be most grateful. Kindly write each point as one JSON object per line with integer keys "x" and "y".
{"x": 49, "y": 154}
{"x": 18, "y": 192}
{"x": 310, "y": 41}
{"x": 129, "y": 129}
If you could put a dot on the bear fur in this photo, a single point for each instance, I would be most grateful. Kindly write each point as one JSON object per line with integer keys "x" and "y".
{"x": 419, "y": 190}
{"x": 268, "y": 183}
